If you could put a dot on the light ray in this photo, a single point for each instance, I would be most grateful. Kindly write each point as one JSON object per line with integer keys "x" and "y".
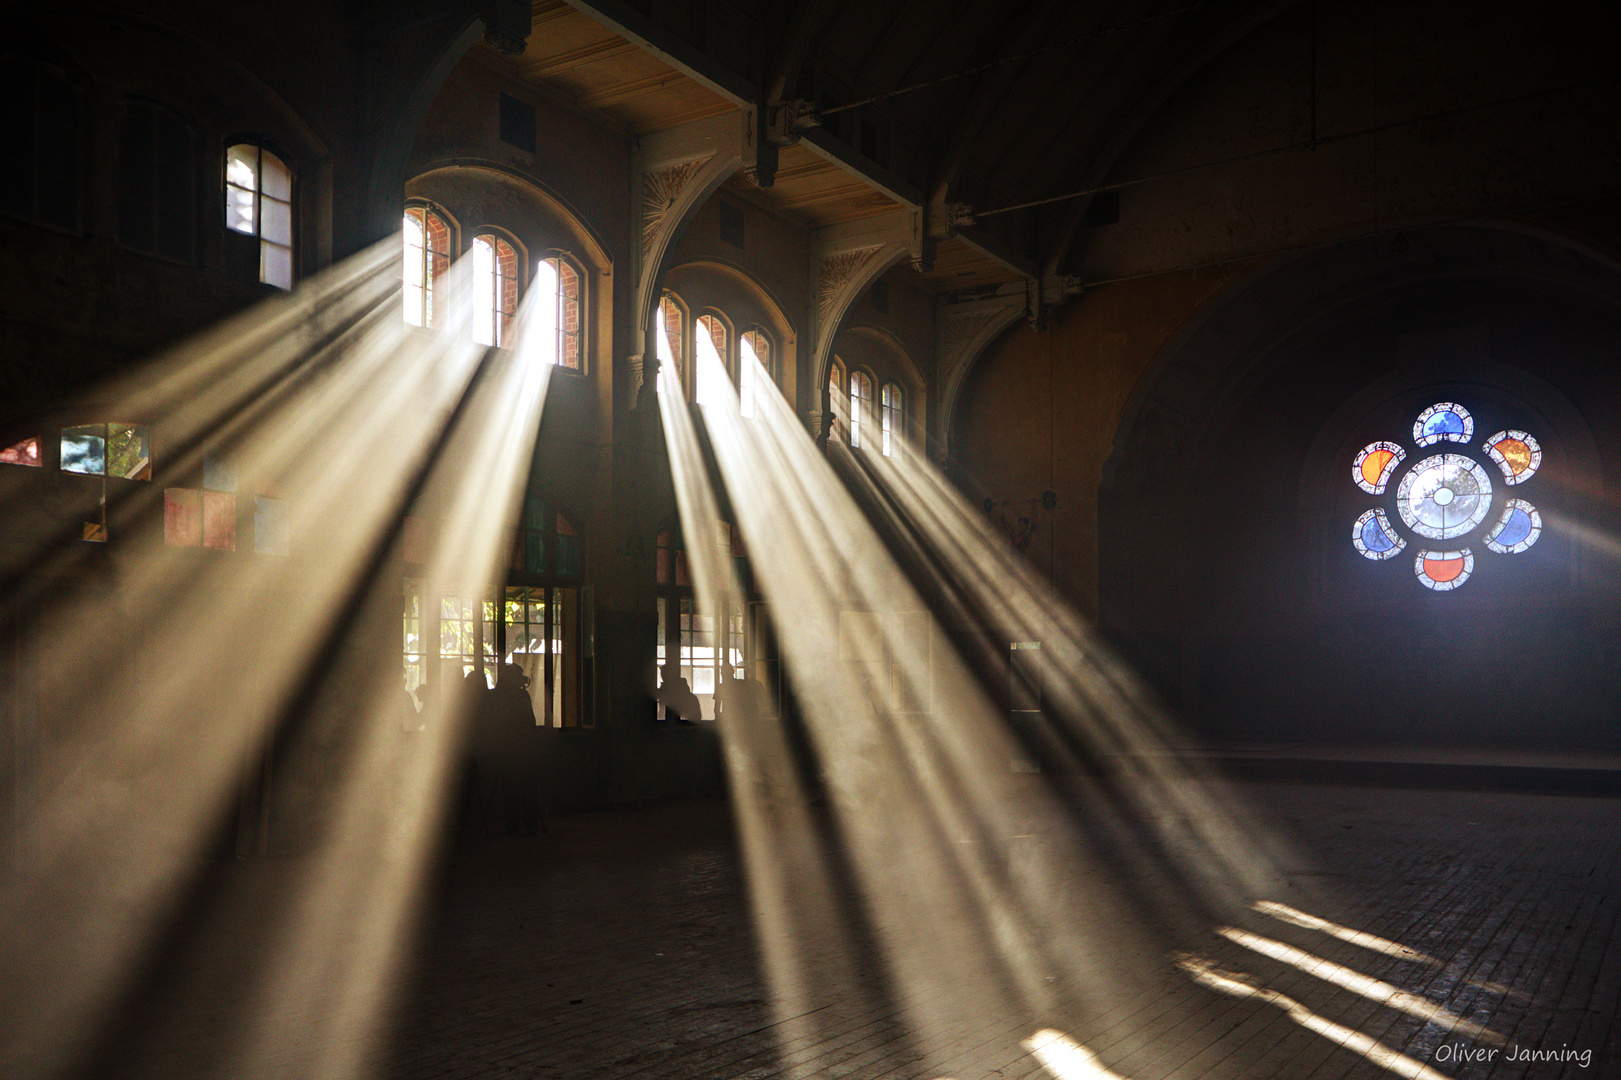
{"x": 1373, "y": 942}
{"x": 1237, "y": 985}
{"x": 1374, "y": 990}
{"x": 325, "y": 398}
{"x": 1065, "y": 1058}
{"x": 1096, "y": 712}
{"x": 975, "y": 889}
{"x": 810, "y": 950}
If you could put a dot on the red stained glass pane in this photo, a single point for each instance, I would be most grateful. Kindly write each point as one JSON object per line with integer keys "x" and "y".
{"x": 681, "y": 575}
{"x": 1443, "y": 569}
{"x": 23, "y": 453}
{"x": 219, "y": 520}
{"x": 182, "y": 517}
{"x": 664, "y": 566}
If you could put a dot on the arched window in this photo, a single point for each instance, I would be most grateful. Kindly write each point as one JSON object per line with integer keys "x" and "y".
{"x": 860, "y": 406}
{"x": 259, "y": 202}
{"x": 891, "y": 414}
{"x": 495, "y": 289}
{"x": 1444, "y": 501}
{"x": 427, "y": 257}
{"x": 838, "y": 401}
{"x": 157, "y": 182}
{"x": 670, "y": 331}
{"x": 712, "y": 368}
{"x": 45, "y": 132}
{"x": 753, "y": 370}
{"x": 561, "y": 287}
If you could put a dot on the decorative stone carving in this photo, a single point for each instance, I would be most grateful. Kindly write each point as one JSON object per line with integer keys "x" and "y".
{"x": 660, "y": 189}
{"x": 836, "y": 270}
{"x": 958, "y": 331}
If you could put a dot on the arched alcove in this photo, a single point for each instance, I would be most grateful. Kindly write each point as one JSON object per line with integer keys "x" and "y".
{"x": 1227, "y": 568}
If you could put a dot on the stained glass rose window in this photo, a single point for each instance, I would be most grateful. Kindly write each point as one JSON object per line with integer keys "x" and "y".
{"x": 1447, "y": 496}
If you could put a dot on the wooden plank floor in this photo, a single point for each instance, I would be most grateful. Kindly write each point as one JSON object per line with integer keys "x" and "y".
{"x": 618, "y": 945}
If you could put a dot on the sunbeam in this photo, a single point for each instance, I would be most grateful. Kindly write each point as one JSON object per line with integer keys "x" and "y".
{"x": 1237, "y": 985}
{"x": 327, "y": 400}
{"x": 1373, "y": 942}
{"x": 986, "y": 904}
{"x": 1374, "y": 990}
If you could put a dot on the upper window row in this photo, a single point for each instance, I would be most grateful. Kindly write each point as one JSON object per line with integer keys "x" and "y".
{"x": 498, "y": 282}
{"x": 160, "y": 174}
{"x": 746, "y": 359}
{"x": 853, "y": 404}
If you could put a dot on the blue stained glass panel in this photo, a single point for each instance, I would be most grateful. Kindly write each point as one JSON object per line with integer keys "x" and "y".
{"x": 1442, "y": 423}
{"x": 1375, "y": 537}
{"x": 534, "y": 552}
{"x": 1516, "y": 530}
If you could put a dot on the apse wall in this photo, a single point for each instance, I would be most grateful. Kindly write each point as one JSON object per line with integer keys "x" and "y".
{"x": 1228, "y": 568}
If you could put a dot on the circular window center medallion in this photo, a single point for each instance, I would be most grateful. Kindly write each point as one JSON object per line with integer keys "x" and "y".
{"x": 1444, "y": 496}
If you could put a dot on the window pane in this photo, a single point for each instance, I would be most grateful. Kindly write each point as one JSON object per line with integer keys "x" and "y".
{"x": 239, "y": 204}
{"x": 84, "y": 449}
{"x": 218, "y": 474}
{"x": 546, "y": 311}
{"x": 242, "y": 166}
{"x": 276, "y": 265}
{"x": 275, "y": 180}
{"x": 23, "y": 453}
{"x": 182, "y": 517}
{"x": 270, "y": 531}
{"x": 485, "y": 284}
{"x": 127, "y": 452}
{"x": 568, "y": 555}
{"x": 219, "y": 520}
{"x": 277, "y": 226}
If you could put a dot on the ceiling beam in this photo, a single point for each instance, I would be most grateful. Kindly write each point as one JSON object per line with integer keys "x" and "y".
{"x": 686, "y": 58}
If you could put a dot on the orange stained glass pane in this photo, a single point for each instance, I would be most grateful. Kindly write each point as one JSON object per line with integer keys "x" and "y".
{"x": 1516, "y": 453}
{"x": 219, "y": 520}
{"x": 1374, "y": 464}
{"x": 1443, "y": 569}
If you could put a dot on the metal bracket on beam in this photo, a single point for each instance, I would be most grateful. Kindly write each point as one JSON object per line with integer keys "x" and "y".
{"x": 949, "y": 219}
{"x": 506, "y": 25}
{"x": 786, "y": 121}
